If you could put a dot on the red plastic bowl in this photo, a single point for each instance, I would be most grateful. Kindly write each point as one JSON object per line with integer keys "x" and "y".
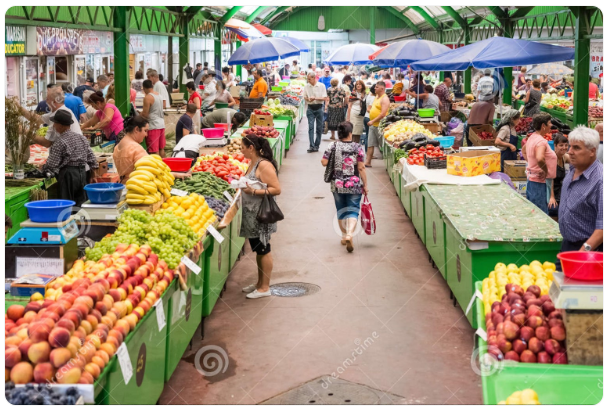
{"x": 221, "y": 126}
{"x": 582, "y": 265}
{"x": 400, "y": 98}
{"x": 178, "y": 164}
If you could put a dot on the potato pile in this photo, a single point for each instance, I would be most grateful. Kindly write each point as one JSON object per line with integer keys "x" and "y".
{"x": 234, "y": 146}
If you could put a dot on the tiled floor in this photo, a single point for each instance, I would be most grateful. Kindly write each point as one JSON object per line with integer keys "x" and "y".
{"x": 383, "y": 318}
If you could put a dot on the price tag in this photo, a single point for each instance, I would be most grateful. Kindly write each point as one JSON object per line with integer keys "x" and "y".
{"x": 160, "y": 314}
{"x": 217, "y": 235}
{"x": 124, "y": 362}
{"x": 190, "y": 264}
{"x": 477, "y": 294}
{"x": 42, "y": 266}
{"x": 177, "y": 192}
{"x": 228, "y": 196}
{"x": 482, "y": 334}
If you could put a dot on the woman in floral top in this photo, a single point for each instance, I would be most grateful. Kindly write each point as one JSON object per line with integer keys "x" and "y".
{"x": 349, "y": 180}
{"x": 336, "y": 106}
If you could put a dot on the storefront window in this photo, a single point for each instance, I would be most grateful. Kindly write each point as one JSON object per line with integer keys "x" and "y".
{"x": 12, "y": 74}
{"x": 89, "y": 67}
{"x": 32, "y": 74}
{"x": 80, "y": 70}
{"x": 61, "y": 69}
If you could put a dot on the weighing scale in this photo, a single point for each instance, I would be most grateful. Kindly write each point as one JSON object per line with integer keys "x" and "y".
{"x": 96, "y": 211}
{"x": 55, "y": 233}
{"x": 576, "y": 294}
{"x": 221, "y": 142}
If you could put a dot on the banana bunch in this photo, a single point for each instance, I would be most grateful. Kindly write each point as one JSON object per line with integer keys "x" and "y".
{"x": 150, "y": 179}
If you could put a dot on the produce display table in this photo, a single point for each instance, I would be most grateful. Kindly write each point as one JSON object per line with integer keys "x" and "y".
{"x": 277, "y": 144}
{"x": 468, "y": 229}
{"x": 14, "y": 200}
{"x": 554, "y": 384}
{"x": 217, "y": 260}
{"x": 290, "y": 131}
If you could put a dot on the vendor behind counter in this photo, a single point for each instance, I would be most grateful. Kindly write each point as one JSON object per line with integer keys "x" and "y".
{"x": 237, "y": 119}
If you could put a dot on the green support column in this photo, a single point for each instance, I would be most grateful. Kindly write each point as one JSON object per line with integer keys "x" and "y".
{"x": 372, "y": 25}
{"x": 467, "y": 75}
{"x": 217, "y": 50}
{"x": 581, "y": 66}
{"x": 509, "y": 78}
{"x": 238, "y": 67}
{"x": 442, "y": 76}
{"x": 184, "y": 55}
{"x": 121, "y": 20}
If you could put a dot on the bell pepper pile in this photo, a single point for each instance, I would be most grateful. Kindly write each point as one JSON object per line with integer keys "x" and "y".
{"x": 224, "y": 166}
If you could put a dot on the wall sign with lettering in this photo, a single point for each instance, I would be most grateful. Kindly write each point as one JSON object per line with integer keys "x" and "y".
{"x": 14, "y": 40}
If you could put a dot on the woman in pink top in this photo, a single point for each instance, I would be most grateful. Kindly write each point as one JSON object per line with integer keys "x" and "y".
{"x": 541, "y": 162}
{"x": 108, "y": 118}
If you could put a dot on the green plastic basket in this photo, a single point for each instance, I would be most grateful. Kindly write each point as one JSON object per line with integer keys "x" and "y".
{"x": 277, "y": 89}
{"x": 426, "y": 112}
{"x": 283, "y": 84}
{"x": 220, "y": 105}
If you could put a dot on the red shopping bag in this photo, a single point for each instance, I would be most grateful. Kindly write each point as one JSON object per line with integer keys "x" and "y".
{"x": 367, "y": 218}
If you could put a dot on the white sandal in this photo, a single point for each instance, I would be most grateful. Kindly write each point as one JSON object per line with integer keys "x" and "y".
{"x": 249, "y": 289}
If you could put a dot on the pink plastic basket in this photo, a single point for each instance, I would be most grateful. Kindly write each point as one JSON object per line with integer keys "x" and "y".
{"x": 213, "y": 133}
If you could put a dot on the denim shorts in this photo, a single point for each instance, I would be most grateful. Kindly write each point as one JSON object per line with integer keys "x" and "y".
{"x": 347, "y": 204}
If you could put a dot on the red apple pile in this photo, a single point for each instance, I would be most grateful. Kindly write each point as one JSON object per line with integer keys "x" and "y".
{"x": 526, "y": 327}
{"x": 70, "y": 340}
{"x": 263, "y": 131}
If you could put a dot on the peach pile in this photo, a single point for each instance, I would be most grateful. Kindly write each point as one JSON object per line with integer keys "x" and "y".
{"x": 70, "y": 336}
{"x": 526, "y": 327}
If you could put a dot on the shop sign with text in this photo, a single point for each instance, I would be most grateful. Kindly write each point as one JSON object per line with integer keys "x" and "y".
{"x": 14, "y": 40}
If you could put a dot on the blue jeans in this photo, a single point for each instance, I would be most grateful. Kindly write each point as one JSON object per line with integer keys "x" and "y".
{"x": 537, "y": 194}
{"x": 347, "y": 204}
{"x": 366, "y": 132}
{"x": 316, "y": 116}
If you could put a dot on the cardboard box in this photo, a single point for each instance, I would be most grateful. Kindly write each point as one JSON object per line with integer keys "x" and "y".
{"x": 103, "y": 167}
{"x": 431, "y": 127}
{"x": 483, "y": 148}
{"x": 521, "y": 186}
{"x": 260, "y": 120}
{"x": 107, "y": 178}
{"x": 515, "y": 169}
{"x": 473, "y": 135}
{"x": 474, "y": 163}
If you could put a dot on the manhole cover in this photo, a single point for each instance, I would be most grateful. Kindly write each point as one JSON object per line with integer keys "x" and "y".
{"x": 329, "y": 391}
{"x": 294, "y": 289}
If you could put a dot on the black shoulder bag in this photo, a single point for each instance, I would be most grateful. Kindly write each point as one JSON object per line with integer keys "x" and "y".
{"x": 330, "y": 166}
{"x": 269, "y": 211}
{"x": 363, "y": 107}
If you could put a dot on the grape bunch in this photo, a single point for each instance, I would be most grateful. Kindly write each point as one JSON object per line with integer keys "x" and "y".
{"x": 168, "y": 235}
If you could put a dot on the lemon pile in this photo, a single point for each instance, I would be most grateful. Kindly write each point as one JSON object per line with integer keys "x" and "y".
{"x": 524, "y": 397}
{"x": 536, "y": 273}
{"x": 403, "y": 130}
{"x": 150, "y": 179}
{"x": 194, "y": 209}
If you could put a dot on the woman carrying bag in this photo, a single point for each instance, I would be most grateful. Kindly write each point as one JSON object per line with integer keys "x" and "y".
{"x": 357, "y": 108}
{"x": 346, "y": 172}
{"x": 260, "y": 212}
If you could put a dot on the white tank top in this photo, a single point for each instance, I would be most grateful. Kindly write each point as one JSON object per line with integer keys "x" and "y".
{"x": 156, "y": 113}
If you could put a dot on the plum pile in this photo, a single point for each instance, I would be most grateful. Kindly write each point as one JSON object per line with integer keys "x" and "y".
{"x": 220, "y": 206}
{"x": 526, "y": 327}
{"x": 40, "y": 394}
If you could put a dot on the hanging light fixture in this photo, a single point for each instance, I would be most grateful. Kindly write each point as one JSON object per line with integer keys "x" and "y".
{"x": 321, "y": 22}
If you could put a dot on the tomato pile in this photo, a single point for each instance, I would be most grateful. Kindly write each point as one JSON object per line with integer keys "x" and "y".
{"x": 222, "y": 167}
{"x": 485, "y": 135}
{"x": 416, "y": 156}
{"x": 263, "y": 131}
{"x": 524, "y": 125}
{"x": 261, "y": 112}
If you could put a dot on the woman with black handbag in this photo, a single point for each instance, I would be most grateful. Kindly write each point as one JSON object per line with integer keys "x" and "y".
{"x": 260, "y": 212}
{"x": 357, "y": 108}
{"x": 346, "y": 173}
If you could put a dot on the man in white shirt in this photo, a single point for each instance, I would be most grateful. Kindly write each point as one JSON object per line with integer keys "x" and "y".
{"x": 405, "y": 84}
{"x": 315, "y": 96}
{"x": 210, "y": 90}
{"x": 339, "y": 75}
{"x": 486, "y": 87}
{"x": 159, "y": 88}
{"x": 189, "y": 147}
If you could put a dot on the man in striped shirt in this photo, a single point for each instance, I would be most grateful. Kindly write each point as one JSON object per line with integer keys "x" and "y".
{"x": 581, "y": 207}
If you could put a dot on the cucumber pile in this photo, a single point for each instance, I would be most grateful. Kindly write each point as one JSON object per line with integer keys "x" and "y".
{"x": 205, "y": 184}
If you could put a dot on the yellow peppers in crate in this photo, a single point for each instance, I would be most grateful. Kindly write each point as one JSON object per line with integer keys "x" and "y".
{"x": 535, "y": 273}
{"x": 194, "y": 209}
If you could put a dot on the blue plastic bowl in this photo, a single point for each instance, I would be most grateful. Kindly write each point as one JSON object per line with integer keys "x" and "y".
{"x": 104, "y": 193}
{"x": 445, "y": 141}
{"x": 49, "y": 211}
{"x": 551, "y": 144}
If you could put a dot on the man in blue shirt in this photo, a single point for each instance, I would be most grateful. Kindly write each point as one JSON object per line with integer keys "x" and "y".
{"x": 581, "y": 207}
{"x": 42, "y": 106}
{"x": 89, "y": 85}
{"x": 327, "y": 77}
{"x": 73, "y": 102}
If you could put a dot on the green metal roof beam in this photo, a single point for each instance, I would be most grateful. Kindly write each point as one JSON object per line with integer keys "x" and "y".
{"x": 522, "y": 11}
{"x": 255, "y": 14}
{"x": 403, "y": 18}
{"x": 427, "y": 17}
{"x": 230, "y": 13}
{"x": 275, "y": 11}
{"x": 498, "y": 11}
{"x": 277, "y": 19}
{"x": 193, "y": 9}
{"x": 457, "y": 17}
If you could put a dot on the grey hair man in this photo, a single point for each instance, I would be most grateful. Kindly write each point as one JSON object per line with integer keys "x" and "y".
{"x": 102, "y": 84}
{"x": 159, "y": 88}
{"x": 316, "y": 97}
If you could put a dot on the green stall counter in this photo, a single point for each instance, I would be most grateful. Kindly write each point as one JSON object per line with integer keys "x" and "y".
{"x": 435, "y": 233}
{"x": 217, "y": 259}
{"x": 15, "y": 199}
{"x": 146, "y": 348}
{"x": 236, "y": 241}
{"x": 277, "y": 144}
{"x": 405, "y": 197}
{"x": 183, "y": 317}
{"x": 290, "y": 130}
{"x": 418, "y": 212}
{"x": 396, "y": 180}
{"x": 554, "y": 384}
{"x": 482, "y": 226}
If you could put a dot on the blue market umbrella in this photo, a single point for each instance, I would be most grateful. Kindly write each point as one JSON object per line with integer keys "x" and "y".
{"x": 357, "y": 53}
{"x": 263, "y": 50}
{"x": 404, "y": 53}
{"x": 298, "y": 43}
{"x": 496, "y": 52}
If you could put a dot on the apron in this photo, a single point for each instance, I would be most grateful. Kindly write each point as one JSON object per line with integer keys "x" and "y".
{"x": 72, "y": 180}
{"x": 507, "y": 154}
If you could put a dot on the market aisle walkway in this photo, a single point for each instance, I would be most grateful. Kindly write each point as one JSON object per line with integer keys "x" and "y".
{"x": 386, "y": 289}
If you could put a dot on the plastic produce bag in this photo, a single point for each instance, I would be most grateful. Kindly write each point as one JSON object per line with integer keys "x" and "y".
{"x": 458, "y": 133}
{"x": 453, "y": 123}
{"x": 367, "y": 218}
